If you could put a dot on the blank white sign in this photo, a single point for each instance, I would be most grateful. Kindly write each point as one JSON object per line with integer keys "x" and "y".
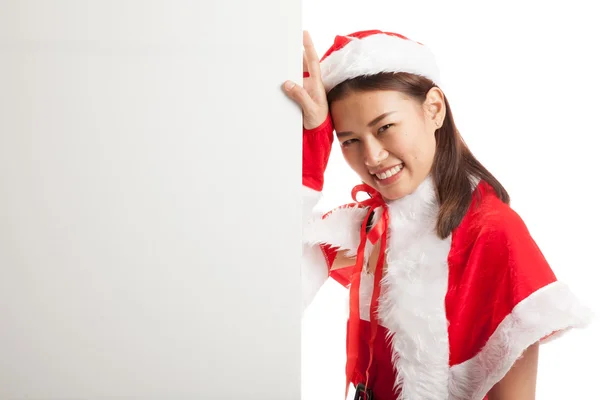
{"x": 149, "y": 200}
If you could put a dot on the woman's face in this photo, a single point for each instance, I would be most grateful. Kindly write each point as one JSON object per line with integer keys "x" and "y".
{"x": 387, "y": 138}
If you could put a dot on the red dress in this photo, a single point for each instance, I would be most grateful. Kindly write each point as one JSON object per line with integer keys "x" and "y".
{"x": 454, "y": 314}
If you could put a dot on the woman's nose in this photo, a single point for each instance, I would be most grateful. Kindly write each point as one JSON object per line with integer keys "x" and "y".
{"x": 374, "y": 154}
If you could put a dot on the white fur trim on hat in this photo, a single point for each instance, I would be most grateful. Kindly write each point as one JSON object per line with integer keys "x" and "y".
{"x": 378, "y": 53}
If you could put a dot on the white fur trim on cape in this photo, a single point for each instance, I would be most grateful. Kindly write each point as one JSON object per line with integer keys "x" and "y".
{"x": 378, "y": 53}
{"x": 550, "y": 309}
{"x": 413, "y": 292}
{"x": 339, "y": 229}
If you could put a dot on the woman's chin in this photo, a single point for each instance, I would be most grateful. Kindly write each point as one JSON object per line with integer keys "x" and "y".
{"x": 394, "y": 190}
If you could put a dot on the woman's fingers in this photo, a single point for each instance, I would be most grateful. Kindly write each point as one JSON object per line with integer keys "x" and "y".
{"x": 299, "y": 95}
{"x": 305, "y": 65}
{"x": 311, "y": 58}
{"x": 311, "y": 94}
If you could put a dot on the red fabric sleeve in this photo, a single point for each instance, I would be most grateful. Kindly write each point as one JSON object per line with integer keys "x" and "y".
{"x": 316, "y": 148}
{"x": 342, "y": 275}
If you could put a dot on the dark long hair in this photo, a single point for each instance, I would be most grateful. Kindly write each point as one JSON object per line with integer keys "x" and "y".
{"x": 454, "y": 166}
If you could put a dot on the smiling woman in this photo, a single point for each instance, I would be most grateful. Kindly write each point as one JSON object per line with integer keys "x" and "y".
{"x": 450, "y": 296}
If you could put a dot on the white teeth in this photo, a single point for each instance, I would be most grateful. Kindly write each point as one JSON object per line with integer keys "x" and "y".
{"x": 390, "y": 172}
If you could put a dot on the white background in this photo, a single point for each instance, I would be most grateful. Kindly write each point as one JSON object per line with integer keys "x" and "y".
{"x": 150, "y": 226}
{"x": 521, "y": 79}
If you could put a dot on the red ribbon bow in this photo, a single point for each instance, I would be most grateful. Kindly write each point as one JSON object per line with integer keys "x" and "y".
{"x": 376, "y": 232}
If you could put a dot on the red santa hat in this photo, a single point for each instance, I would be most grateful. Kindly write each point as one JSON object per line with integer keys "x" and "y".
{"x": 374, "y": 51}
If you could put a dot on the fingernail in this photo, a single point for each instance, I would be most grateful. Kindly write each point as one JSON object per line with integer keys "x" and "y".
{"x": 289, "y": 85}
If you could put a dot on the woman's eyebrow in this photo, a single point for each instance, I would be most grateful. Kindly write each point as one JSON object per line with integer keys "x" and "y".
{"x": 370, "y": 124}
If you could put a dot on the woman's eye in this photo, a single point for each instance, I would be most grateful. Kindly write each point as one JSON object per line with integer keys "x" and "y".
{"x": 384, "y": 128}
{"x": 348, "y": 142}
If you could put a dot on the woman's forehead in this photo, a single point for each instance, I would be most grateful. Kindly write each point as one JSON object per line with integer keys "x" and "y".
{"x": 373, "y": 100}
{"x": 366, "y": 106}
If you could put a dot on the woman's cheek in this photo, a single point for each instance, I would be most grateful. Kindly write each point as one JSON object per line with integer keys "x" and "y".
{"x": 351, "y": 158}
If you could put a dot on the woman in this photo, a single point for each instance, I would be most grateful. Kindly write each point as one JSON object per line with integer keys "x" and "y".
{"x": 461, "y": 295}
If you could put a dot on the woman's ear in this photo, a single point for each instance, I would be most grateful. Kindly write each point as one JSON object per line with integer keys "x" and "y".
{"x": 434, "y": 106}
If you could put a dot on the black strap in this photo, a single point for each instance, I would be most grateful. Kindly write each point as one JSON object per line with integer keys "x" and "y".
{"x": 370, "y": 220}
{"x": 361, "y": 394}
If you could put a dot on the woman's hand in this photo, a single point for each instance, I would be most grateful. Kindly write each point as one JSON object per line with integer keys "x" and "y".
{"x": 311, "y": 96}
{"x": 317, "y": 135}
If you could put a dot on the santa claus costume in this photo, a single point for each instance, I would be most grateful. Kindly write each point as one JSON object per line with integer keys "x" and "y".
{"x": 448, "y": 317}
